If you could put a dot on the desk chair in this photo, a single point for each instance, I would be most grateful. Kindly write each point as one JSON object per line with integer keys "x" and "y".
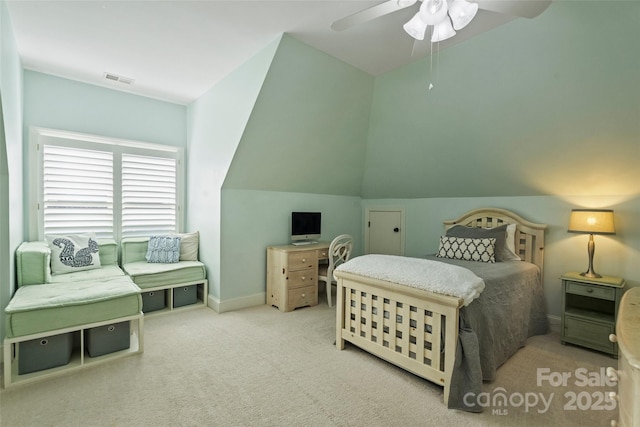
{"x": 339, "y": 252}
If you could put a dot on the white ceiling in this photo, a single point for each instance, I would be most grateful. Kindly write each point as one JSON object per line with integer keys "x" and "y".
{"x": 176, "y": 50}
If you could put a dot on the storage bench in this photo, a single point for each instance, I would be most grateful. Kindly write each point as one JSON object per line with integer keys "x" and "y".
{"x": 164, "y": 286}
{"x": 48, "y": 311}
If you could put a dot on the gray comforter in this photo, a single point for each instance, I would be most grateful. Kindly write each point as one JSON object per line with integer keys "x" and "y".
{"x": 495, "y": 325}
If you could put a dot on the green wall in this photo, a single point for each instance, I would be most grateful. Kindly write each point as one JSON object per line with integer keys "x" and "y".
{"x": 254, "y": 219}
{"x": 535, "y": 107}
{"x": 616, "y": 255}
{"x": 297, "y": 139}
{"x": 57, "y": 103}
{"x": 11, "y": 158}
{"x": 308, "y": 129}
{"x": 216, "y": 123}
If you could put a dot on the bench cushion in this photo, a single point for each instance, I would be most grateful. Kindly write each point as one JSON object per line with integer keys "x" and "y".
{"x": 150, "y": 275}
{"x": 41, "y": 308}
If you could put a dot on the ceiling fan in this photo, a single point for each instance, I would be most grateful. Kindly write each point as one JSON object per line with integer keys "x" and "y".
{"x": 435, "y": 12}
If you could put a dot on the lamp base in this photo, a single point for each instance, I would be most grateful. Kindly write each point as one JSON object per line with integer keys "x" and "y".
{"x": 591, "y": 275}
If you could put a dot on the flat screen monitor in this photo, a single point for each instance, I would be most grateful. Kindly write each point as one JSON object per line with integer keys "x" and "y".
{"x": 305, "y": 225}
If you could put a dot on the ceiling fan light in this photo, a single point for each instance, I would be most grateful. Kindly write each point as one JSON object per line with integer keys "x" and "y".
{"x": 443, "y": 31}
{"x": 433, "y": 12}
{"x": 462, "y": 12}
{"x": 416, "y": 27}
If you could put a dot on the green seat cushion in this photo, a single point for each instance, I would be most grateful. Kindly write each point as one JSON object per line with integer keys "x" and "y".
{"x": 150, "y": 275}
{"x": 41, "y": 308}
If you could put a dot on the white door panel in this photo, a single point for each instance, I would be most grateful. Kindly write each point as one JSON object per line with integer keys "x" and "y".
{"x": 385, "y": 231}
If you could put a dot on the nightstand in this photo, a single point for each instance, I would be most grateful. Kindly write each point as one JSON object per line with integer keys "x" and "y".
{"x": 589, "y": 310}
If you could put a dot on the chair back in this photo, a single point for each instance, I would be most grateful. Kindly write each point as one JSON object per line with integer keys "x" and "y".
{"x": 339, "y": 252}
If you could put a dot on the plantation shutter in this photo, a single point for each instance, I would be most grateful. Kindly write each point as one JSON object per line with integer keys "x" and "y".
{"x": 149, "y": 199}
{"x": 77, "y": 191}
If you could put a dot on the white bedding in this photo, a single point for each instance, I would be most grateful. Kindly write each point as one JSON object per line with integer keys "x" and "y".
{"x": 433, "y": 276}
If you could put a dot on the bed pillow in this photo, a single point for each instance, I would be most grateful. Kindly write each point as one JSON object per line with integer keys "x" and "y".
{"x": 73, "y": 252}
{"x": 509, "y": 253}
{"x": 498, "y": 233}
{"x": 188, "y": 245}
{"x": 163, "y": 249}
{"x": 468, "y": 249}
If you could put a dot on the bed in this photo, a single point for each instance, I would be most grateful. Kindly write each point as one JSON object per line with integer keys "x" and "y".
{"x": 452, "y": 339}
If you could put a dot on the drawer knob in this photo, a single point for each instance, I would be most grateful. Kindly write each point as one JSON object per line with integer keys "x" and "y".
{"x": 613, "y": 338}
{"x": 304, "y": 295}
{"x": 304, "y": 278}
{"x": 589, "y": 290}
{"x": 612, "y": 374}
{"x": 304, "y": 260}
{"x": 614, "y": 423}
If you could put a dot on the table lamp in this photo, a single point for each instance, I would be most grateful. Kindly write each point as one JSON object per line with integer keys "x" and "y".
{"x": 591, "y": 221}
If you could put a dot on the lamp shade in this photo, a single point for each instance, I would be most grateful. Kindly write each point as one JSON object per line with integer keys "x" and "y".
{"x": 443, "y": 31}
{"x": 462, "y": 12}
{"x": 416, "y": 27}
{"x": 433, "y": 12}
{"x": 592, "y": 221}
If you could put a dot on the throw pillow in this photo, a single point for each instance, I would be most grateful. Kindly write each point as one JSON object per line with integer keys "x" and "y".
{"x": 482, "y": 250}
{"x": 498, "y": 233}
{"x": 75, "y": 252}
{"x": 188, "y": 245}
{"x": 509, "y": 253}
{"x": 163, "y": 249}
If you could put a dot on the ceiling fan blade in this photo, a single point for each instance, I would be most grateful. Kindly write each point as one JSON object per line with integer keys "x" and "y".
{"x": 371, "y": 13}
{"x": 521, "y": 8}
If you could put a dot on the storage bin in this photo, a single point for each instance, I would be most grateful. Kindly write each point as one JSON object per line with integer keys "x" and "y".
{"x": 44, "y": 353}
{"x": 185, "y": 295}
{"x": 153, "y": 300}
{"x": 107, "y": 339}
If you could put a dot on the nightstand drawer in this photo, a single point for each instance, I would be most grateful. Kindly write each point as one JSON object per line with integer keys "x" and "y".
{"x": 593, "y": 291}
{"x": 595, "y": 334}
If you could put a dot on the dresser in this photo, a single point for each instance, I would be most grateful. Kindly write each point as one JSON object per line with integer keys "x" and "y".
{"x": 589, "y": 310}
{"x": 628, "y": 339}
{"x": 292, "y": 275}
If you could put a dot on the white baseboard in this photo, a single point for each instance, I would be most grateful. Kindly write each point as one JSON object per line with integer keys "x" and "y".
{"x": 554, "y": 323}
{"x": 236, "y": 303}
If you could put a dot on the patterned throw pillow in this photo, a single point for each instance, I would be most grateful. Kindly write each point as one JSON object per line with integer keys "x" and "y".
{"x": 163, "y": 249}
{"x": 75, "y": 252}
{"x": 499, "y": 233}
{"x": 482, "y": 250}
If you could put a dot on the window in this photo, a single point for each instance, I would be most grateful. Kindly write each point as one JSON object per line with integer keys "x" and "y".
{"x": 114, "y": 188}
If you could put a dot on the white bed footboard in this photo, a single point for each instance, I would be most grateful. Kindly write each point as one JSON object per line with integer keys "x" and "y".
{"x": 414, "y": 329}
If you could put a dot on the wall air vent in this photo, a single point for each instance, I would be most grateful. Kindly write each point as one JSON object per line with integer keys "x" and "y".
{"x": 117, "y": 78}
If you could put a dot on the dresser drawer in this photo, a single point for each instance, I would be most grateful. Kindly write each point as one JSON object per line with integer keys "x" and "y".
{"x": 595, "y": 334}
{"x": 323, "y": 254}
{"x": 302, "y": 259}
{"x": 300, "y": 278}
{"x": 301, "y": 297}
{"x": 593, "y": 291}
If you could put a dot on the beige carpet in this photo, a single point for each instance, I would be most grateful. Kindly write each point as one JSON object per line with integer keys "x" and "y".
{"x": 260, "y": 367}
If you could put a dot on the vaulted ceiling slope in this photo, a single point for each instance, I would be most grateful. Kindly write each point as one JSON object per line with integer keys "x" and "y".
{"x": 547, "y": 106}
{"x": 535, "y": 107}
{"x": 308, "y": 128}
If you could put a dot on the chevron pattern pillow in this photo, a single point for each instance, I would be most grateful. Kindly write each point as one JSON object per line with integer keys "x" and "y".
{"x": 163, "y": 249}
{"x": 468, "y": 249}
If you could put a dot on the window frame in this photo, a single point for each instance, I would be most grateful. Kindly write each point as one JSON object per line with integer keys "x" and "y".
{"x": 44, "y": 136}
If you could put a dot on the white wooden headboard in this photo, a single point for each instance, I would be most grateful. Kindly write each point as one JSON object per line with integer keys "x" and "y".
{"x": 529, "y": 236}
